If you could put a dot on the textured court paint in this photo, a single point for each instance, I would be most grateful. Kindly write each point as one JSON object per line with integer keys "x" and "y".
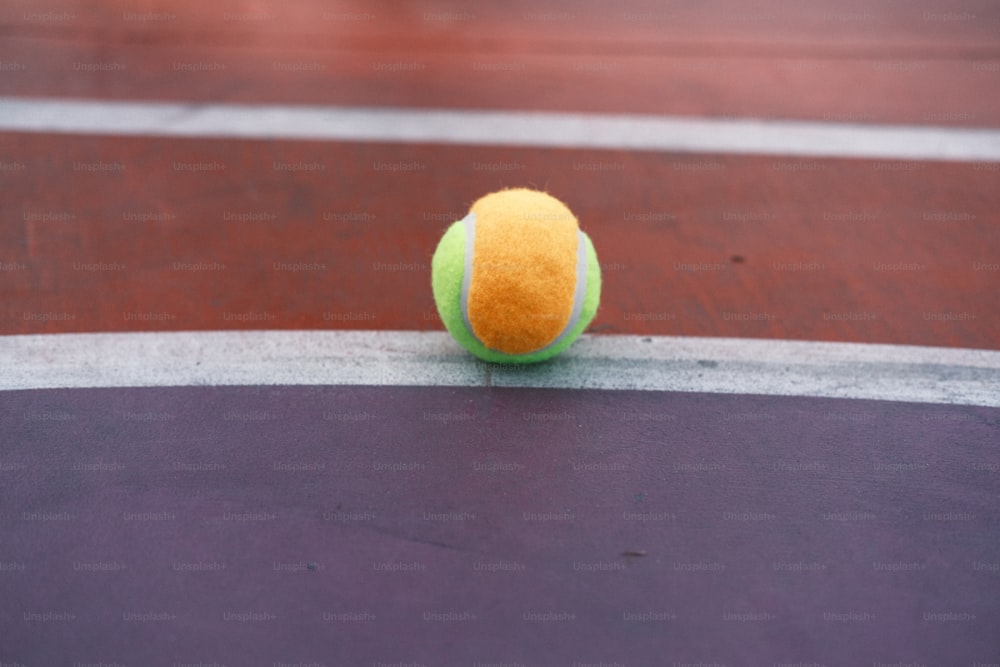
{"x": 922, "y": 61}
{"x": 502, "y": 128}
{"x": 868, "y": 252}
{"x": 822, "y": 529}
{"x": 715, "y": 365}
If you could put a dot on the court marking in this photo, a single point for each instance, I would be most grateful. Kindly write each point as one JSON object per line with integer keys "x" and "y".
{"x": 431, "y": 358}
{"x": 501, "y": 128}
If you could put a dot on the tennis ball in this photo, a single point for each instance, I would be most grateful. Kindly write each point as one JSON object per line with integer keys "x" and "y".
{"x": 516, "y": 280}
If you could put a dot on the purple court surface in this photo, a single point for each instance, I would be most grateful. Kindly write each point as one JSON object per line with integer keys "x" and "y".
{"x": 462, "y": 526}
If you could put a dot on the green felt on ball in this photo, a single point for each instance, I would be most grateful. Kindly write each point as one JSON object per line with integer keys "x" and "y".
{"x": 516, "y": 280}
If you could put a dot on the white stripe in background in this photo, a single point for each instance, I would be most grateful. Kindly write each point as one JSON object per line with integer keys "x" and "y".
{"x": 501, "y": 128}
{"x": 411, "y": 358}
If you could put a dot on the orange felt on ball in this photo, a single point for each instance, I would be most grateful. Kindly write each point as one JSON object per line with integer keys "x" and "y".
{"x": 524, "y": 270}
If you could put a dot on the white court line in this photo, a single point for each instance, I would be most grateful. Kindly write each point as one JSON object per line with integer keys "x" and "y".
{"x": 501, "y": 128}
{"x": 412, "y": 358}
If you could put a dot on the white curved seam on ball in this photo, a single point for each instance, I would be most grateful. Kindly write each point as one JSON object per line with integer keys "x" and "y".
{"x": 579, "y": 295}
{"x": 469, "y": 222}
{"x": 579, "y": 292}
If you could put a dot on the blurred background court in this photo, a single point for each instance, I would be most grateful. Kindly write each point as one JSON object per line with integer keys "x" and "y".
{"x": 149, "y": 184}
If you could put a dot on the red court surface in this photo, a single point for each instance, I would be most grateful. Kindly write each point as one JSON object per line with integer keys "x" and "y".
{"x": 233, "y": 430}
{"x": 838, "y": 251}
{"x": 927, "y": 62}
{"x": 854, "y": 250}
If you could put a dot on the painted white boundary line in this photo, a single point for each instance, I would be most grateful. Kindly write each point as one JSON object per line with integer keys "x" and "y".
{"x": 411, "y": 358}
{"x": 501, "y": 128}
